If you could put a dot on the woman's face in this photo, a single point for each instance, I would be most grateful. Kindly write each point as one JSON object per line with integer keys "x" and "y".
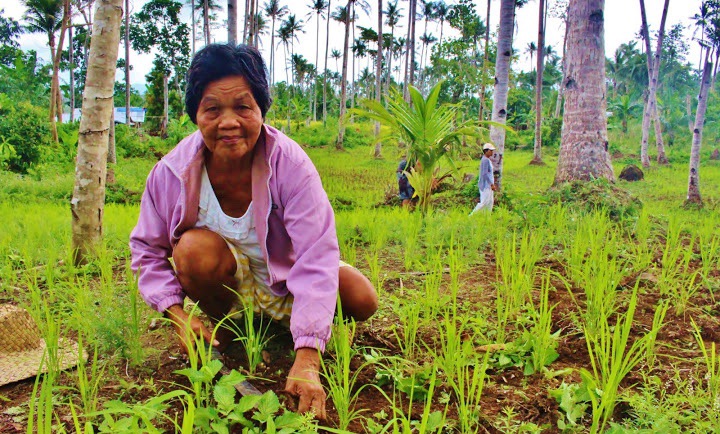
{"x": 229, "y": 118}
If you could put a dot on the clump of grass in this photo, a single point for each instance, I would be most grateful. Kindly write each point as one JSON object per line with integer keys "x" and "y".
{"x": 596, "y": 195}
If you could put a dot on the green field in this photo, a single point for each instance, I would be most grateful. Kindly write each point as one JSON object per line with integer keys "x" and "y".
{"x": 543, "y": 316}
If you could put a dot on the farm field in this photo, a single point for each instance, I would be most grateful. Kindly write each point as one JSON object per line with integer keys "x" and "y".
{"x": 544, "y": 316}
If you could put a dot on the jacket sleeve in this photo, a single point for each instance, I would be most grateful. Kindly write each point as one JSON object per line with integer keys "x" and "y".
{"x": 313, "y": 279}
{"x": 150, "y": 243}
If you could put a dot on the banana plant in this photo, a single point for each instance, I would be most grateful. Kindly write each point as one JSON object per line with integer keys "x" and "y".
{"x": 430, "y": 130}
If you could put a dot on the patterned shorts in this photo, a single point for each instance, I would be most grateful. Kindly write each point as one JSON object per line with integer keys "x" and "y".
{"x": 260, "y": 296}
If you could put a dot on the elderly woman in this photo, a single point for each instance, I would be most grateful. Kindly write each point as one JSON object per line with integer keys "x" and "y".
{"x": 240, "y": 209}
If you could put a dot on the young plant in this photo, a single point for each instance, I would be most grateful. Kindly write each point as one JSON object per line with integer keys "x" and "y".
{"x": 543, "y": 343}
{"x": 431, "y": 132}
{"x": 409, "y": 316}
{"x": 253, "y": 339}
{"x": 341, "y": 380}
{"x": 468, "y": 382}
{"x": 612, "y": 356}
{"x": 516, "y": 270}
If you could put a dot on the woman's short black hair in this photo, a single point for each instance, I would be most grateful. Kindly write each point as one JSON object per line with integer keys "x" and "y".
{"x": 217, "y": 61}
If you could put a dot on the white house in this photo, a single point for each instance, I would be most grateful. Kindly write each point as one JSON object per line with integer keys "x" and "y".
{"x": 137, "y": 115}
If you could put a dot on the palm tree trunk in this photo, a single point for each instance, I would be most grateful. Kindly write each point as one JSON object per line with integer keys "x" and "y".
{"x": 408, "y": 51}
{"x": 661, "y": 157}
{"x": 166, "y": 107}
{"x": 246, "y": 23}
{"x": 192, "y": 24}
{"x": 87, "y": 204}
{"x": 343, "y": 83}
{"x": 325, "y": 72}
{"x": 317, "y": 52}
{"x": 688, "y": 110}
{"x": 650, "y": 112}
{"x": 252, "y": 31}
{"x": 537, "y": 150}
{"x": 411, "y": 58}
{"x": 378, "y": 81}
{"x": 57, "y": 58}
{"x": 71, "y": 65}
{"x": 481, "y": 116}
{"x": 53, "y": 91}
{"x": 352, "y": 79}
{"x": 390, "y": 57}
{"x": 272, "y": 53}
{"x": 561, "y": 89}
{"x": 127, "y": 62}
{"x": 693, "y": 194}
{"x": 584, "y": 149}
{"x": 206, "y": 21}
{"x": 232, "y": 22}
{"x": 502, "y": 79}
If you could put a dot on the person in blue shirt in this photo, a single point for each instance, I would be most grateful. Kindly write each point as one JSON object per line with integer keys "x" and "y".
{"x": 486, "y": 181}
{"x": 406, "y": 191}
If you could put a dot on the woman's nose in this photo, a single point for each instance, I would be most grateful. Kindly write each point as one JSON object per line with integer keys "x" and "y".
{"x": 228, "y": 119}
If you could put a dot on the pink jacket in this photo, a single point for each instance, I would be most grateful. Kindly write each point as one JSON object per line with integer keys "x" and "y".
{"x": 294, "y": 221}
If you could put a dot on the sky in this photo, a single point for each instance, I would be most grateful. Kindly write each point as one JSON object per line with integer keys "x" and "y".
{"x": 622, "y": 24}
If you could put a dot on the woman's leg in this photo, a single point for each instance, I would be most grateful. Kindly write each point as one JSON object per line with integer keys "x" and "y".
{"x": 206, "y": 268}
{"x": 357, "y": 295}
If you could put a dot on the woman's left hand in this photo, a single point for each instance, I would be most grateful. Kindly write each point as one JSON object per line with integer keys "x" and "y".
{"x": 304, "y": 382}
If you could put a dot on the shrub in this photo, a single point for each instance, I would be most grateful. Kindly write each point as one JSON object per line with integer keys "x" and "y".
{"x": 130, "y": 142}
{"x": 178, "y": 129}
{"x": 27, "y": 130}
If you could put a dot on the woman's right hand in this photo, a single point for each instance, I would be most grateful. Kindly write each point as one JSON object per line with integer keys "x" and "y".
{"x": 188, "y": 328}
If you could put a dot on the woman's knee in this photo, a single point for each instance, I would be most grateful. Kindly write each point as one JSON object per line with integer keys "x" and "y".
{"x": 203, "y": 255}
{"x": 357, "y": 295}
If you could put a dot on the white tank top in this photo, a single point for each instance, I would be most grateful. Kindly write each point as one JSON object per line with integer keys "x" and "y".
{"x": 238, "y": 231}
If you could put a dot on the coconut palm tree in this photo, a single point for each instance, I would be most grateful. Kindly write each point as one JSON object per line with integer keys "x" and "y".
{"x": 285, "y": 36}
{"x": 426, "y": 40}
{"x": 348, "y": 12}
{"x": 378, "y": 76}
{"x": 502, "y": 79}
{"x": 325, "y": 68}
{"x": 410, "y": 49}
{"x": 583, "y": 151}
{"x": 393, "y": 18}
{"x": 431, "y": 132}
{"x": 702, "y": 20}
{"x": 427, "y": 10}
{"x": 232, "y": 21}
{"x": 531, "y": 49}
{"x": 537, "y": 148}
{"x": 653, "y": 70}
{"x": 336, "y": 54}
{"x": 441, "y": 13}
{"x": 624, "y": 108}
{"x": 345, "y": 13}
{"x": 693, "y": 193}
{"x": 289, "y": 31}
{"x": 317, "y": 8}
{"x": 45, "y": 16}
{"x": 275, "y": 12}
{"x": 481, "y": 111}
{"x": 261, "y": 28}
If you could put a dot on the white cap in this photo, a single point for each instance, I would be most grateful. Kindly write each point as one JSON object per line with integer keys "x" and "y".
{"x": 489, "y": 146}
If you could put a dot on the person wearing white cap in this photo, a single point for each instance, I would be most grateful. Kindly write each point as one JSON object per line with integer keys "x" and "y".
{"x": 486, "y": 182}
